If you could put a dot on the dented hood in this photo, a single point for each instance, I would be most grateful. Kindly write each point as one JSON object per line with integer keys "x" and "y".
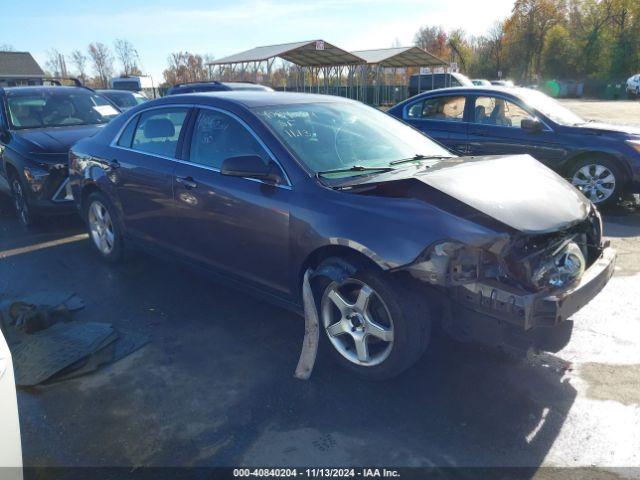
{"x": 516, "y": 190}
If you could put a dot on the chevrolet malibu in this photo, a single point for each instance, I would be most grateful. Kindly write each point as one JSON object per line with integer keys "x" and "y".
{"x": 398, "y": 234}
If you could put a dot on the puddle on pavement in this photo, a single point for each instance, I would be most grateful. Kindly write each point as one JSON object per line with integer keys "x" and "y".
{"x": 620, "y": 383}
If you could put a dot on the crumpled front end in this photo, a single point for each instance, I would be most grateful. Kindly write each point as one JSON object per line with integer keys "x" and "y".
{"x": 519, "y": 292}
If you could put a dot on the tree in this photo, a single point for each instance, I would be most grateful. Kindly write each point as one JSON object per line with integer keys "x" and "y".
{"x": 79, "y": 61}
{"x": 102, "y": 63}
{"x": 5, "y": 47}
{"x": 433, "y": 40}
{"x": 56, "y": 63}
{"x": 185, "y": 67}
{"x": 526, "y": 30}
{"x": 559, "y": 54}
{"x": 459, "y": 48}
{"x": 128, "y": 57}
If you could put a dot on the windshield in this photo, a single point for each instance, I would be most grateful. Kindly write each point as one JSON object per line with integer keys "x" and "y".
{"x": 550, "y": 107}
{"x": 341, "y": 135}
{"x": 57, "y": 109}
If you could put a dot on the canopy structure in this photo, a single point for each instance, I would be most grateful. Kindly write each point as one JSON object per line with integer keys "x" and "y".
{"x": 321, "y": 67}
{"x": 312, "y": 53}
{"x": 383, "y": 66}
{"x": 400, "y": 57}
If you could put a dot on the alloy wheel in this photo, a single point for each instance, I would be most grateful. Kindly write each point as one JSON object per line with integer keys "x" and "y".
{"x": 101, "y": 227}
{"x": 595, "y": 181}
{"x": 20, "y": 202}
{"x": 357, "y": 322}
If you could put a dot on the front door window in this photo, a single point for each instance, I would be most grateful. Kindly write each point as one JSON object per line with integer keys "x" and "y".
{"x": 499, "y": 112}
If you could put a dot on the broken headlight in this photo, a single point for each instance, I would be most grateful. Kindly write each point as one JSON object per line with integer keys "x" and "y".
{"x": 560, "y": 269}
{"x": 447, "y": 263}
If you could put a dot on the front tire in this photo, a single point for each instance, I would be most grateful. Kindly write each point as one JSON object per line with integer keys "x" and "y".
{"x": 24, "y": 211}
{"x": 372, "y": 327}
{"x": 599, "y": 179}
{"x": 104, "y": 232}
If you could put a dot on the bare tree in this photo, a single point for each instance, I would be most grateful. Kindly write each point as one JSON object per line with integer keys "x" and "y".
{"x": 79, "y": 61}
{"x": 56, "y": 63}
{"x": 5, "y": 47}
{"x": 102, "y": 62}
{"x": 128, "y": 57}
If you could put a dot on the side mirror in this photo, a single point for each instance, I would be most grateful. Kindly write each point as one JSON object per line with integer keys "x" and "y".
{"x": 251, "y": 166}
{"x": 532, "y": 125}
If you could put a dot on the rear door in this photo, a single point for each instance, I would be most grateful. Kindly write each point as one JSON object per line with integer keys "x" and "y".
{"x": 442, "y": 117}
{"x": 238, "y": 225}
{"x": 143, "y": 163}
{"x": 495, "y": 129}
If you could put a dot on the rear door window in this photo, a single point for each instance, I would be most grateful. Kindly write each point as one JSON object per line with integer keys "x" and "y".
{"x": 447, "y": 109}
{"x": 158, "y": 131}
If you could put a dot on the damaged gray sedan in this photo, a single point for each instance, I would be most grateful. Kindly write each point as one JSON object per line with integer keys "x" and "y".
{"x": 396, "y": 233}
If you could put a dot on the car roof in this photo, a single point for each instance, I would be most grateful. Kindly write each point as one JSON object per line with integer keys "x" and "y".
{"x": 45, "y": 88}
{"x": 475, "y": 89}
{"x": 116, "y": 91}
{"x": 250, "y": 99}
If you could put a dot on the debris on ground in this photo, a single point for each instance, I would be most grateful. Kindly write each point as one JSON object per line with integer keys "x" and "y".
{"x": 48, "y": 344}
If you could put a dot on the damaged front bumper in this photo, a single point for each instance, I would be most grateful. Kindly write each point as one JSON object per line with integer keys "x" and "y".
{"x": 497, "y": 314}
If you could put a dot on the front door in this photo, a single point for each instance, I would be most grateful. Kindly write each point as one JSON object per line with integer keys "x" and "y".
{"x": 143, "y": 164}
{"x": 442, "y": 118}
{"x": 238, "y": 225}
{"x": 495, "y": 129}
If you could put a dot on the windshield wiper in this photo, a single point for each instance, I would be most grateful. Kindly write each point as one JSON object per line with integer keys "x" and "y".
{"x": 417, "y": 157}
{"x": 355, "y": 168}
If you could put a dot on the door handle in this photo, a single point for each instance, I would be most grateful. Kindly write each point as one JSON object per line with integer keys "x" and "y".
{"x": 187, "y": 182}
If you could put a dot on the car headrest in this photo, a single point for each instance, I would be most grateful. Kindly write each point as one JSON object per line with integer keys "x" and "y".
{"x": 159, "y": 128}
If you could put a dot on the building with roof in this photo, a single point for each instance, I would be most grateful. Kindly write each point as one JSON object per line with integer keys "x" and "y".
{"x": 19, "y": 68}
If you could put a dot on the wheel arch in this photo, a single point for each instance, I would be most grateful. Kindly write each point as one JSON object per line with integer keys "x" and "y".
{"x": 87, "y": 190}
{"x": 614, "y": 157}
{"x": 343, "y": 252}
{"x": 11, "y": 170}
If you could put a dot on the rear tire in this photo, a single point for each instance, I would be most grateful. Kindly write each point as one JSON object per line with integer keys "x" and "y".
{"x": 599, "y": 178}
{"x": 371, "y": 327}
{"x": 104, "y": 231}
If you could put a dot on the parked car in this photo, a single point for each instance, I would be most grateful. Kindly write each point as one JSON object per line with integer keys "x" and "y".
{"x": 400, "y": 233}
{"x": 37, "y": 127}
{"x": 10, "y": 444}
{"x": 432, "y": 81}
{"x": 480, "y": 82}
{"x": 633, "y": 85}
{"x": 502, "y": 83}
{"x": 601, "y": 160}
{"x": 215, "y": 86}
{"x": 124, "y": 99}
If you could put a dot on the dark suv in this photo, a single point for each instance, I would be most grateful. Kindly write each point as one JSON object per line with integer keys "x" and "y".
{"x": 38, "y": 125}
{"x": 215, "y": 86}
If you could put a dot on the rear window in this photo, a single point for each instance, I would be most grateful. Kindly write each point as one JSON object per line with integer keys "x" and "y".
{"x": 57, "y": 109}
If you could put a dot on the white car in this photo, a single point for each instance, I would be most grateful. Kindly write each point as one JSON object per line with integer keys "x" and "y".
{"x": 10, "y": 447}
{"x": 633, "y": 85}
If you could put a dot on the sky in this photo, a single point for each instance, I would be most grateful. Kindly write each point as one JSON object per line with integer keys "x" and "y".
{"x": 222, "y": 27}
